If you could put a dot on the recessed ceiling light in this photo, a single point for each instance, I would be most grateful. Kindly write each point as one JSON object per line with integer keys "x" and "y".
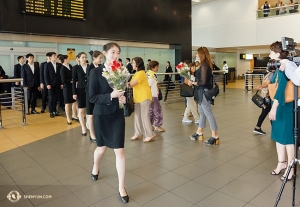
{"x": 196, "y": 0}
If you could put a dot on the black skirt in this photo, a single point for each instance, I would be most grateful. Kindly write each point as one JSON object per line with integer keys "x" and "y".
{"x": 68, "y": 96}
{"x": 81, "y": 97}
{"x": 110, "y": 130}
{"x": 89, "y": 106}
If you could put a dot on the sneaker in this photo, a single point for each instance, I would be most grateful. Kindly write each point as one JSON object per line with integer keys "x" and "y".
{"x": 187, "y": 121}
{"x": 196, "y": 136}
{"x": 259, "y": 131}
{"x": 159, "y": 129}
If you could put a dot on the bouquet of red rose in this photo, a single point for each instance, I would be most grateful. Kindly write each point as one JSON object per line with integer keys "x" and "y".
{"x": 116, "y": 76}
{"x": 183, "y": 70}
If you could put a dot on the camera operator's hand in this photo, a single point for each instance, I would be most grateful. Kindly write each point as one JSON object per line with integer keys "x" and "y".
{"x": 272, "y": 113}
{"x": 282, "y": 64}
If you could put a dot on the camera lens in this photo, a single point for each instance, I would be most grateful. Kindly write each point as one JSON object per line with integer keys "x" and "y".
{"x": 273, "y": 64}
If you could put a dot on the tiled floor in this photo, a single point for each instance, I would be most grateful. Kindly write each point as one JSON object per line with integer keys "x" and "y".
{"x": 171, "y": 171}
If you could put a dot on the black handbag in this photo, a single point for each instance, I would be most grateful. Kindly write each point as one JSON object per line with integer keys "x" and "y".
{"x": 129, "y": 105}
{"x": 211, "y": 94}
{"x": 159, "y": 95}
{"x": 258, "y": 100}
{"x": 186, "y": 91}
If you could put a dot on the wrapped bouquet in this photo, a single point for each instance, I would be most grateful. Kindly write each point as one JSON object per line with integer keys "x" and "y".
{"x": 183, "y": 70}
{"x": 116, "y": 76}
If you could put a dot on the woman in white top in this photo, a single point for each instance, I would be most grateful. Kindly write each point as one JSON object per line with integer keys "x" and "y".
{"x": 191, "y": 105}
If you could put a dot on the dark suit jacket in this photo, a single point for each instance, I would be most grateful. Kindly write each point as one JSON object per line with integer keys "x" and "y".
{"x": 29, "y": 79}
{"x": 66, "y": 76}
{"x": 80, "y": 77}
{"x": 51, "y": 77}
{"x": 168, "y": 70}
{"x": 99, "y": 94}
{"x": 42, "y": 71}
{"x": 129, "y": 68}
{"x": 2, "y": 72}
{"x": 17, "y": 70}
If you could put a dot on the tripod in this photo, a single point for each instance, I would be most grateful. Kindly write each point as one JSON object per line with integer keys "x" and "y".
{"x": 295, "y": 160}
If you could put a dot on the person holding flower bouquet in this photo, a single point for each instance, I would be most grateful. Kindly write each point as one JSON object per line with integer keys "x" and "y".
{"x": 142, "y": 98}
{"x": 109, "y": 121}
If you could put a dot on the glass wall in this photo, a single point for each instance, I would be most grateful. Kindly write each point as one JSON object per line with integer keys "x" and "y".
{"x": 39, "y": 49}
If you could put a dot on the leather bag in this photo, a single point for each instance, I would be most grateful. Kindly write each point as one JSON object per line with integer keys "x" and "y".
{"x": 258, "y": 100}
{"x": 186, "y": 90}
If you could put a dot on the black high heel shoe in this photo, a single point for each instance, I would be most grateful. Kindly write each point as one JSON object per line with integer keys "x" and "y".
{"x": 212, "y": 141}
{"x": 69, "y": 123}
{"x": 75, "y": 119}
{"x": 125, "y": 199}
{"x": 94, "y": 177}
{"x": 92, "y": 140}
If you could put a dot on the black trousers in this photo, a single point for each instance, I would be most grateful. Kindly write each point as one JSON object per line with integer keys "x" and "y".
{"x": 44, "y": 98}
{"x": 61, "y": 98}
{"x": 263, "y": 115}
{"x": 53, "y": 97}
{"x": 32, "y": 94}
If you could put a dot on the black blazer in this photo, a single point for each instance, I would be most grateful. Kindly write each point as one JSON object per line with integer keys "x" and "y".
{"x": 42, "y": 70}
{"x": 66, "y": 76}
{"x": 79, "y": 77}
{"x": 29, "y": 79}
{"x": 17, "y": 70}
{"x": 99, "y": 94}
{"x": 51, "y": 77}
{"x": 2, "y": 72}
{"x": 129, "y": 68}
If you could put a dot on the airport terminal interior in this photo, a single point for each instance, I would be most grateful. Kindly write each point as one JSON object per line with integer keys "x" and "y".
{"x": 46, "y": 162}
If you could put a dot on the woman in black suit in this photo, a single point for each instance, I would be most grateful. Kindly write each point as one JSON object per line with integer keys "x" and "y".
{"x": 168, "y": 70}
{"x": 97, "y": 58}
{"x": 78, "y": 86}
{"x": 66, "y": 80}
{"x": 109, "y": 119}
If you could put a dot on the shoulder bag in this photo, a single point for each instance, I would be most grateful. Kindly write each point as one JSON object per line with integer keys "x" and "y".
{"x": 258, "y": 100}
{"x": 186, "y": 90}
{"x": 129, "y": 105}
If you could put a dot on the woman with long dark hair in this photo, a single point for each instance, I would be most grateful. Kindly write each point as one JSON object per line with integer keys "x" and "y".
{"x": 79, "y": 85}
{"x": 202, "y": 83}
{"x": 109, "y": 118}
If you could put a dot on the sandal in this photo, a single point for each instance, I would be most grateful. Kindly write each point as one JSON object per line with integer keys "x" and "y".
{"x": 275, "y": 173}
{"x": 283, "y": 177}
{"x": 136, "y": 138}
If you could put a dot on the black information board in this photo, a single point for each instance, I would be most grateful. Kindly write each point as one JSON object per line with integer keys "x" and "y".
{"x": 73, "y": 9}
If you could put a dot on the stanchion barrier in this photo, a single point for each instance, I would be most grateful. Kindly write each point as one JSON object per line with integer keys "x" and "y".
{"x": 254, "y": 78}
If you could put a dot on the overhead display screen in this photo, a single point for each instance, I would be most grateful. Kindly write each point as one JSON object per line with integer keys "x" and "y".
{"x": 73, "y": 9}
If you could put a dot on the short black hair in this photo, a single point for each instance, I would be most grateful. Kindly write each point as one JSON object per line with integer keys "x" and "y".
{"x": 120, "y": 59}
{"x": 149, "y": 60}
{"x": 128, "y": 59}
{"x": 19, "y": 57}
{"x": 58, "y": 56}
{"x": 29, "y": 55}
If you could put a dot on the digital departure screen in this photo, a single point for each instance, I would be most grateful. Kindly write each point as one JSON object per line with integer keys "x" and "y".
{"x": 73, "y": 9}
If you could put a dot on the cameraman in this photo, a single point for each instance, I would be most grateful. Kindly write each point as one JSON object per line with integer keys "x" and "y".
{"x": 291, "y": 71}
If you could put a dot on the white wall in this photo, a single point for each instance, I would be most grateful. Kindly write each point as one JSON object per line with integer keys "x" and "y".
{"x": 233, "y": 23}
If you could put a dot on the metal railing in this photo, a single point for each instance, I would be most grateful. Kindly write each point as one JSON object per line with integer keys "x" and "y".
{"x": 16, "y": 99}
{"x": 279, "y": 11}
{"x": 171, "y": 88}
{"x": 254, "y": 78}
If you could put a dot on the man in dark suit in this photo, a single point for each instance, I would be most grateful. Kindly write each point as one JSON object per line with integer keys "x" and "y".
{"x": 61, "y": 105}
{"x": 42, "y": 82}
{"x": 128, "y": 65}
{"x": 53, "y": 83}
{"x": 17, "y": 68}
{"x": 31, "y": 81}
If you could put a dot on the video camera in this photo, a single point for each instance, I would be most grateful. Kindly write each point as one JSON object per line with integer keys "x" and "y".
{"x": 289, "y": 45}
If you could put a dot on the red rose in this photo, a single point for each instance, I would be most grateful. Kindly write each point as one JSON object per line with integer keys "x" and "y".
{"x": 113, "y": 68}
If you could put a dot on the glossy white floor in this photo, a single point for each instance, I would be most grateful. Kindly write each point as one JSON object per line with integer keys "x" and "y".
{"x": 171, "y": 171}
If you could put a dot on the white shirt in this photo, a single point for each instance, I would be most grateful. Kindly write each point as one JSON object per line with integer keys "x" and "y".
{"x": 67, "y": 66}
{"x": 84, "y": 68}
{"x": 292, "y": 72}
{"x": 225, "y": 67}
{"x": 32, "y": 67}
{"x": 152, "y": 80}
{"x": 54, "y": 66}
